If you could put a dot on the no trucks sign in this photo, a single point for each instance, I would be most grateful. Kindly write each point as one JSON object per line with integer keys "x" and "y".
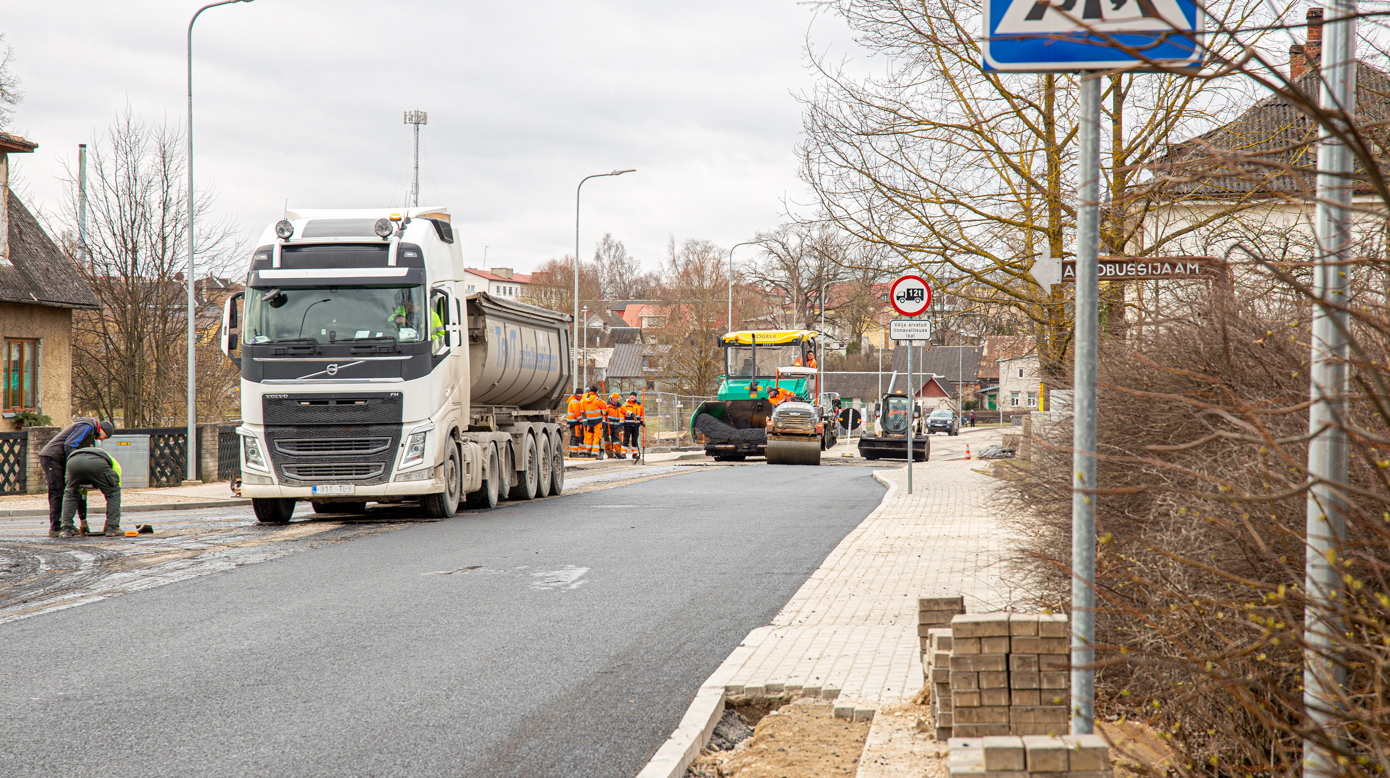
{"x": 910, "y": 295}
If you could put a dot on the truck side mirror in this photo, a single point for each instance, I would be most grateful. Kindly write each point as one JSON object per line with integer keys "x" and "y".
{"x": 230, "y": 325}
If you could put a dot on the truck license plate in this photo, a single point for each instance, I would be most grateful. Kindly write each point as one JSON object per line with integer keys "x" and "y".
{"x": 330, "y": 489}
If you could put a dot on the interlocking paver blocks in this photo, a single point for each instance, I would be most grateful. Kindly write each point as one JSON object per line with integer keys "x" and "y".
{"x": 1071, "y": 756}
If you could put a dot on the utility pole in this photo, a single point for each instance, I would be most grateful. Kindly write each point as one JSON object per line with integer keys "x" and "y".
{"x": 1324, "y": 670}
{"x": 82, "y": 198}
{"x": 416, "y": 118}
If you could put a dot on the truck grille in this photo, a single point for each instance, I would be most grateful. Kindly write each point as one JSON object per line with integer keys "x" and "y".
{"x": 325, "y": 446}
{"x": 344, "y": 471}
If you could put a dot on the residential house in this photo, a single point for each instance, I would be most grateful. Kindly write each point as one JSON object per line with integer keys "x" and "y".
{"x": 39, "y": 290}
{"x": 637, "y": 367}
{"x": 995, "y": 348}
{"x": 1019, "y": 383}
{"x": 864, "y": 389}
{"x": 1252, "y": 181}
{"x": 957, "y": 367}
{"x": 498, "y": 282}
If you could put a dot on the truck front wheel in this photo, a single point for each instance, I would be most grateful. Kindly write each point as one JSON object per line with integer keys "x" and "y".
{"x": 272, "y": 510}
{"x": 445, "y": 504}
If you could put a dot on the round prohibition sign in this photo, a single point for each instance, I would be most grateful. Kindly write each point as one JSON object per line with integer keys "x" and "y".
{"x": 910, "y": 295}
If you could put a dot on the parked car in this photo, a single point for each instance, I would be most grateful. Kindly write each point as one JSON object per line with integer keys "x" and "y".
{"x": 943, "y": 420}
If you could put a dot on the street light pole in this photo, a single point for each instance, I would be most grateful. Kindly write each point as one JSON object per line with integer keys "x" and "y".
{"x": 191, "y": 444}
{"x": 729, "y": 321}
{"x": 575, "y": 336}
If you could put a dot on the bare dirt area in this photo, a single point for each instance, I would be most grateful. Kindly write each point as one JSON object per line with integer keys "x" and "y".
{"x": 799, "y": 739}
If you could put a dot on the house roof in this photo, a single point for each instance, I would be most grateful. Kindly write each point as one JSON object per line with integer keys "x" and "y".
{"x": 951, "y": 362}
{"x": 13, "y": 144}
{"x": 627, "y": 359}
{"x": 998, "y": 347}
{"x": 518, "y": 278}
{"x": 1271, "y": 147}
{"x": 38, "y": 272}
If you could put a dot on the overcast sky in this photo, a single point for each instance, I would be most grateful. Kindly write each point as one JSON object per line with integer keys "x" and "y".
{"x": 302, "y": 101}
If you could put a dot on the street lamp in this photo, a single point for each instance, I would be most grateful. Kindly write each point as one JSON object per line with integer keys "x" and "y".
{"x": 190, "y": 446}
{"x": 729, "y": 322}
{"x": 586, "y": 346}
{"x": 575, "y": 379}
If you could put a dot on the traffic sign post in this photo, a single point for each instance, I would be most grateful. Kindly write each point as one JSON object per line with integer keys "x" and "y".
{"x": 910, "y": 296}
{"x": 1031, "y": 36}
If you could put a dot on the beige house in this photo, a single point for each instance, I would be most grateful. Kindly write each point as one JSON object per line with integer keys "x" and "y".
{"x": 1019, "y": 380}
{"x": 39, "y": 289}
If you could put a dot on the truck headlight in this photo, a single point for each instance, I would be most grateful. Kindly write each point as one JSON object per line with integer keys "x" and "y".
{"x": 414, "y": 450}
{"x": 252, "y": 447}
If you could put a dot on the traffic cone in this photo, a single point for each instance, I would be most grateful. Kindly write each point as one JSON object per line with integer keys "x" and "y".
{"x": 967, "y": 452}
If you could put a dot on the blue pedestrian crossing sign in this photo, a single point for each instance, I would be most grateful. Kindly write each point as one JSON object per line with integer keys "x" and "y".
{"x": 1029, "y": 36}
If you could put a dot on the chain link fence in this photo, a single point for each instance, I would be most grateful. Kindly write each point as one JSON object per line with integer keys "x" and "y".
{"x": 668, "y": 419}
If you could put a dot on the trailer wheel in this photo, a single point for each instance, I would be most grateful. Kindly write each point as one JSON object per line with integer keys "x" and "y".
{"x": 272, "y": 510}
{"x": 529, "y": 477}
{"x": 446, "y": 503}
{"x": 486, "y": 497}
{"x": 557, "y": 473}
{"x": 546, "y": 462}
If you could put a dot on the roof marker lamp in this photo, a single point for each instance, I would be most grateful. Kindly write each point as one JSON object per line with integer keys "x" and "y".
{"x": 284, "y": 229}
{"x": 382, "y": 228}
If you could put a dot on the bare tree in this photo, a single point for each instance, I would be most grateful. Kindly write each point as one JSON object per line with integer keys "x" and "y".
{"x": 9, "y": 85}
{"x": 620, "y": 273}
{"x": 694, "y": 295}
{"x": 798, "y": 260}
{"x": 129, "y": 357}
{"x": 552, "y": 285}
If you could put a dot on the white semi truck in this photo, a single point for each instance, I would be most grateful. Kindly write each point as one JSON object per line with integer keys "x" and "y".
{"x": 369, "y": 375}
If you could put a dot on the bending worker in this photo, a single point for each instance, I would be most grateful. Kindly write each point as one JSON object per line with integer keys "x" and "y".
{"x": 92, "y": 467}
{"x": 53, "y": 458}
{"x": 574, "y": 416}
{"x": 634, "y": 419}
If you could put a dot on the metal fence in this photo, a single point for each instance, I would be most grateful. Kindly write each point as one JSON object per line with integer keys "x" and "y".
{"x": 668, "y": 418}
{"x": 168, "y": 453}
{"x": 14, "y": 462}
{"x": 228, "y": 454}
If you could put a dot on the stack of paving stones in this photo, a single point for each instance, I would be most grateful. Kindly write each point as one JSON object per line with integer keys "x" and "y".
{"x": 935, "y": 613}
{"x": 1009, "y": 675}
{"x": 937, "y": 663}
{"x": 1033, "y": 756}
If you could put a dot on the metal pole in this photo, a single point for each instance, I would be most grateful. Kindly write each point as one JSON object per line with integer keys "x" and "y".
{"x": 586, "y": 346}
{"x": 82, "y": 198}
{"x": 577, "y": 190}
{"x": 415, "y": 182}
{"x": 190, "y": 444}
{"x": 1083, "y": 517}
{"x": 911, "y": 415}
{"x": 1324, "y": 672}
{"x": 729, "y": 322}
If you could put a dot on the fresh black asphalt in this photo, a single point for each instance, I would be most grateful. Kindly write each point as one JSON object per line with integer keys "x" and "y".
{"x": 563, "y": 637}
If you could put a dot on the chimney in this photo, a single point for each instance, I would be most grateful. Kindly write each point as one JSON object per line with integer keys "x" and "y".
{"x": 505, "y": 272}
{"x": 1308, "y": 57}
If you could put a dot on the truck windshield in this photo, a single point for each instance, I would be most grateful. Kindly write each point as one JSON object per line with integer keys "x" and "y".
{"x": 740, "y": 359}
{"x": 895, "y": 411}
{"x": 329, "y": 314}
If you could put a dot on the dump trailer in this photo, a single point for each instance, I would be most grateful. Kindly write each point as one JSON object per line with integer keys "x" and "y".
{"x": 895, "y": 412}
{"x": 734, "y": 424}
{"x": 369, "y": 375}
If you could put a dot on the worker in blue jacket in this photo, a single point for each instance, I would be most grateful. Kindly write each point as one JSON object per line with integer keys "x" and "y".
{"x": 53, "y": 458}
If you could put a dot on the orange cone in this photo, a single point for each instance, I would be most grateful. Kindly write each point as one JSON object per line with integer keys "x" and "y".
{"x": 967, "y": 452}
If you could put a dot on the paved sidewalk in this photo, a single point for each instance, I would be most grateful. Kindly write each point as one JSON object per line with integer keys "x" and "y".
{"x": 853, "y": 625}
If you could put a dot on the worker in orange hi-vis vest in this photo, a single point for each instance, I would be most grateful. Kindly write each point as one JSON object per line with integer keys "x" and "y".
{"x": 574, "y": 417}
{"x": 633, "y": 419}
{"x": 613, "y": 420}
{"x": 778, "y": 395}
{"x": 593, "y": 422}
{"x": 809, "y": 361}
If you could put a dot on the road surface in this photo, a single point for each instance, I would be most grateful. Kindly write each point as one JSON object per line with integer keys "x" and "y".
{"x": 561, "y": 637}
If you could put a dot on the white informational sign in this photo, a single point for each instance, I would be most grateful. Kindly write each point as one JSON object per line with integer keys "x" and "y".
{"x": 909, "y": 329}
{"x": 910, "y": 295}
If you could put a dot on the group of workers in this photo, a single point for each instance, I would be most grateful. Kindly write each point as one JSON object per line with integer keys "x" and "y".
{"x": 600, "y": 428}
{"x": 71, "y": 463}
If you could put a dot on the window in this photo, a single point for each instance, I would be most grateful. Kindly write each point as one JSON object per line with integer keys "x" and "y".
{"x": 1013, "y": 399}
{"x": 1020, "y": 375}
{"x": 21, "y": 375}
{"x": 1032, "y": 399}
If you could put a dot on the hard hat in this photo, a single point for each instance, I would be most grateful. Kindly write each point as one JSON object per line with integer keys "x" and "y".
{"x": 615, "y": 396}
